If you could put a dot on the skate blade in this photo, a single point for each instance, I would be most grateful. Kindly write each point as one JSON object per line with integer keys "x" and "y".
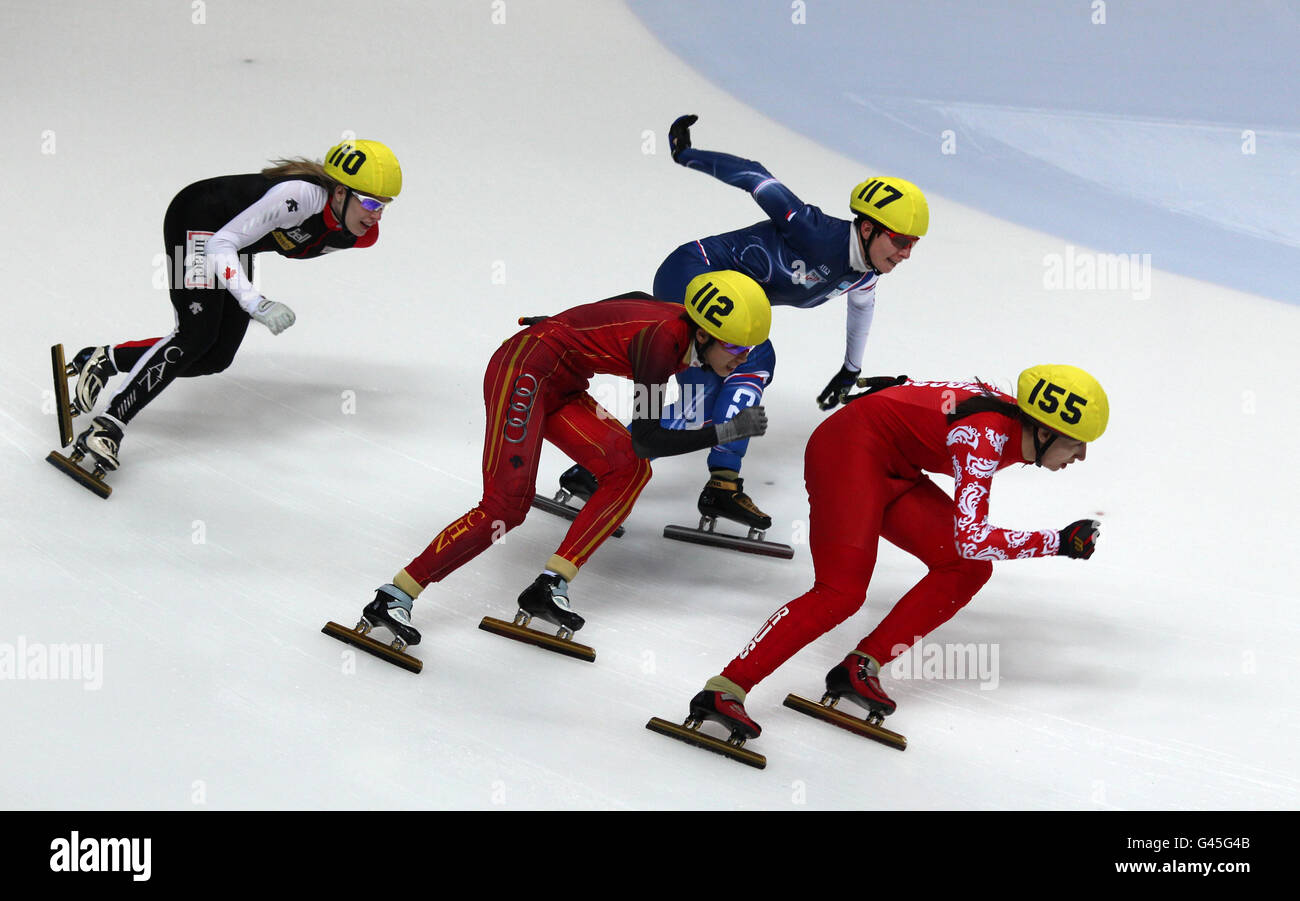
{"x": 693, "y": 736}
{"x": 63, "y": 405}
{"x": 564, "y": 510}
{"x": 92, "y": 480}
{"x": 555, "y": 643}
{"x": 370, "y": 646}
{"x": 731, "y": 542}
{"x": 858, "y": 725}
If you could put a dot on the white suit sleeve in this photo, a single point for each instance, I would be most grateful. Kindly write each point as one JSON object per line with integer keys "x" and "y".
{"x": 862, "y": 306}
{"x": 287, "y": 204}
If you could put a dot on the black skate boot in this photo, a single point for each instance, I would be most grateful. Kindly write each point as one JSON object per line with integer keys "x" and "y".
{"x": 94, "y": 367}
{"x": 548, "y": 599}
{"x": 724, "y": 497}
{"x": 101, "y": 441}
{"x": 578, "y": 482}
{"x": 858, "y": 679}
{"x": 391, "y": 609}
{"x": 724, "y": 708}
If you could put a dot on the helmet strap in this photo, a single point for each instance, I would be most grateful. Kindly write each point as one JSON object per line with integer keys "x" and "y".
{"x": 702, "y": 346}
{"x": 866, "y": 243}
{"x": 343, "y": 212}
{"x": 1040, "y": 446}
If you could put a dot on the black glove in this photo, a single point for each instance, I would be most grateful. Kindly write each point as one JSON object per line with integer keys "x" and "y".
{"x": 1079, "y": 539}
{"x": 679, "y": 135}
{"x": 837, "y": 388}
{"x": 875, "y": 383}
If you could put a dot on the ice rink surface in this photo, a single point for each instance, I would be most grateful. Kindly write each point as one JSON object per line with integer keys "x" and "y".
{"x": 254, "y": 505}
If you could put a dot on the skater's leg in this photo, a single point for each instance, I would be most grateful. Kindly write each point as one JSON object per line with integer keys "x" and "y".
{"x": 196, "y": 333}
{"x": 230, "y": 334}
{"x": 516, "y": 393}
{"x": 594, "y": 439}
{"x": 921, "y": 523}
{"x": 849, "y": 488}
{"x": 125, "y": 355}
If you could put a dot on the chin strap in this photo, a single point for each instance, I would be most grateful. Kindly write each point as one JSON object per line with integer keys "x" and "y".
{"x": 1040, "y": 446}
{"x": 866, "y": 247}
{"x": 701, "y": 347}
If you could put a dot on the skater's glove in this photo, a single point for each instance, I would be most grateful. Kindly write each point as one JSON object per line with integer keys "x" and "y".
{"x": 837, "y": 388}
{"x": 875, "y": 383}
{"x": 748, "y": 423}
{"x": 274, "y": 315}
{"x": 1079, "y": 539}
{"x": 679, "y": 135}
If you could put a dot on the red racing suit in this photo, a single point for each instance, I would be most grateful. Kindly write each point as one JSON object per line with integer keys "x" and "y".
{"x": 865, "y": 472}
{"x": 535, "y": 388}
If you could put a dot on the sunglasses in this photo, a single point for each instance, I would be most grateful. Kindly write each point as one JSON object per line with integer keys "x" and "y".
{"x": 901, "y": 241}
{"x": 369, "y": 204}
{"x": 736, "y": 349}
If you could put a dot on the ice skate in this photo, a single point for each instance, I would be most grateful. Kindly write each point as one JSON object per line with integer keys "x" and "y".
{"x": 546, "y": 599}
{"x": 391, "y": 609}
{"x": 724, "y": 497}
{"x": 858, "y": 679}
{"x": 100, "y": 443}
{"x": 724, "y": 708}
{"x": 578, "y": 482}
{"x": 64, "y": 408}
{"x": 574, "y": 482}
{"x": 93, "y": 367}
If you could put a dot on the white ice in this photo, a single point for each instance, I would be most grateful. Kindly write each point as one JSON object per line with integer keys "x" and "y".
{"x": 254, "y": 505}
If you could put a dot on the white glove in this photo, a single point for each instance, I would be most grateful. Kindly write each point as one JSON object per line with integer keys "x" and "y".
{"x": 274, "y": 315}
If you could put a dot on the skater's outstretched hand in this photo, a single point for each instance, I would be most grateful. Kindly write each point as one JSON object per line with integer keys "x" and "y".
{"x": 873, "y": 384}
{"x": 679, "y": 135}
{"x": 837, "y": 388}
{"x": 748, "y": 423}
{"x": 274, "y": 315}
{"x": 1079, "y": 539}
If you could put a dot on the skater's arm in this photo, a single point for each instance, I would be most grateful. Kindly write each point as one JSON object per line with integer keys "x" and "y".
{"x": 656, "y": 355}
{"x": 651, "y": 440}
{"x": 285, "y": 205}
{"x": 977, "y": 444}
{"x": 862, "y": 307}
{"x": 776, "y": 200}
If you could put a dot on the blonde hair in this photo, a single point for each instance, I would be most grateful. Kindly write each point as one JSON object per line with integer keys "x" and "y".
{"x": 309, "y": 169}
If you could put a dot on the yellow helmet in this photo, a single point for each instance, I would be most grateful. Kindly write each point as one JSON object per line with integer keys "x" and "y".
{"x": 365, "y": 166}
{"x": 1064, "y": 398}
{"x": 730, "y": 306}
{"x": 898, "y": 205}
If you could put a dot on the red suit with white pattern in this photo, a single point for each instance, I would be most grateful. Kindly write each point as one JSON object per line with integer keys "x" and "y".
{"x": 865, "y": 472}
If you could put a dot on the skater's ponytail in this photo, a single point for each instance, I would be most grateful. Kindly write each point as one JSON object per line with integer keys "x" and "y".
{"x": 988, "y": 401}
{"x": 301, "y": 167}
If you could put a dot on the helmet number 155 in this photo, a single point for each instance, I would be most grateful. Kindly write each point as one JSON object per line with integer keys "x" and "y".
{"x": 1050, "y": 401}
